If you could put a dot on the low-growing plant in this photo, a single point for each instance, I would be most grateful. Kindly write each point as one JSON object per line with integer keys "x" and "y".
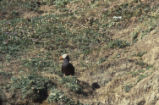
{"x": 128, "y": 10}
{"x": 59, "y": 97}
{"x": 72, "y": 83}
{"x": 12, "y": 44}
{"x": 5, "y": 74}
{"x": 149, "y": 66}
{"x": 141, "y": 63}
{"x": 151, "y": 24}
{"x": 117, "y": 44}
{"x": 141, "y": 71}
{"x": 55, "y": 95}
{"x": 9, "y": 8}
{"x": 33, "y": 87}
{"x": 2, "y": 97}
{"x": 134, "y": 73}
{"x": 38, "y": 63}
{"x": 140, "y": 54}
{"x": 101, "y": 60}
{"x": 127, "y": 88}
{"x": 61, "y": 3}
{"x": 48, "y": 2}
{"x": 141, "y": 77}
{"x": 134, "y": 36}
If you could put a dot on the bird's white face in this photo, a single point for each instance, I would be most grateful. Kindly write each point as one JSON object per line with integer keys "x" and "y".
{"x": 63, "y": 56}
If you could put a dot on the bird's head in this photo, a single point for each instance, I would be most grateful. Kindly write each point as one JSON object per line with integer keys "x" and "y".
{"x": 64, "y": 56}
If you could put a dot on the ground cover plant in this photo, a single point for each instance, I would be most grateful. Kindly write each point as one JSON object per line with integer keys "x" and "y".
{"x": 108, "y": 41}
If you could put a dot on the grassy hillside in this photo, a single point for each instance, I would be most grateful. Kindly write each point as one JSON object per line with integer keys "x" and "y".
{"x": 113, "y": 43}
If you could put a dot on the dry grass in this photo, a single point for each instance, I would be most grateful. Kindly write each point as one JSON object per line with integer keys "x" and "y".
{"x": 121, "y": 55}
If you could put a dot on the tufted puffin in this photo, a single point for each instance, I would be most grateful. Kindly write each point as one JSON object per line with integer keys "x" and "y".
{"x": 67, "y": 68}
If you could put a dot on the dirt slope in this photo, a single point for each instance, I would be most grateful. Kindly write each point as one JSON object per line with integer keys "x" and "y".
{"x": 113, "y": 44}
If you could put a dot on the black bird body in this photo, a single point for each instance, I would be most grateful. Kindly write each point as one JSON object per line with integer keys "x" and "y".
{"x": 67, "y": 67}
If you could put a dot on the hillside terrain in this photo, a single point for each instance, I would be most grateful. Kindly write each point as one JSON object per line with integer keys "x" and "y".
{"x": 113, "y": 44}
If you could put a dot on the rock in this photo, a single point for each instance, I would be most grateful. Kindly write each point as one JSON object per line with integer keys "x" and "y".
{"x": 95, "y": 85}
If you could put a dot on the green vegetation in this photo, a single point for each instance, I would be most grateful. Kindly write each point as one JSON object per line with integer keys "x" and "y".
{"x": 141, "y": 77}
{"x": 140, "y": 54}
{"x": 12, "y": 39}
{"x": 33, "y": 87}
{"x": 61, "y": 3}
{"x": 134, "y": 37}
{"x": 134, "y": 74}
{"x": 5, "y": 74}
{"x": 117, "y": 44}
{"x": 128, "y": 87}
{"x": 34, "y": 33}
{"x": 72, "y": 83}
{"x": 58, "y": 96}
{"x": 141, "y": 63}
{"x": 39, "y": 64}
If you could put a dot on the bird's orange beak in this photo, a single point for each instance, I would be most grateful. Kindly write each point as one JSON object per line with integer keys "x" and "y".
{"x": 61, "y": 58}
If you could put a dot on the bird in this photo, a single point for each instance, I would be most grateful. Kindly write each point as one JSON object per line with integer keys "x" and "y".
{"x": 67, "y": 67}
